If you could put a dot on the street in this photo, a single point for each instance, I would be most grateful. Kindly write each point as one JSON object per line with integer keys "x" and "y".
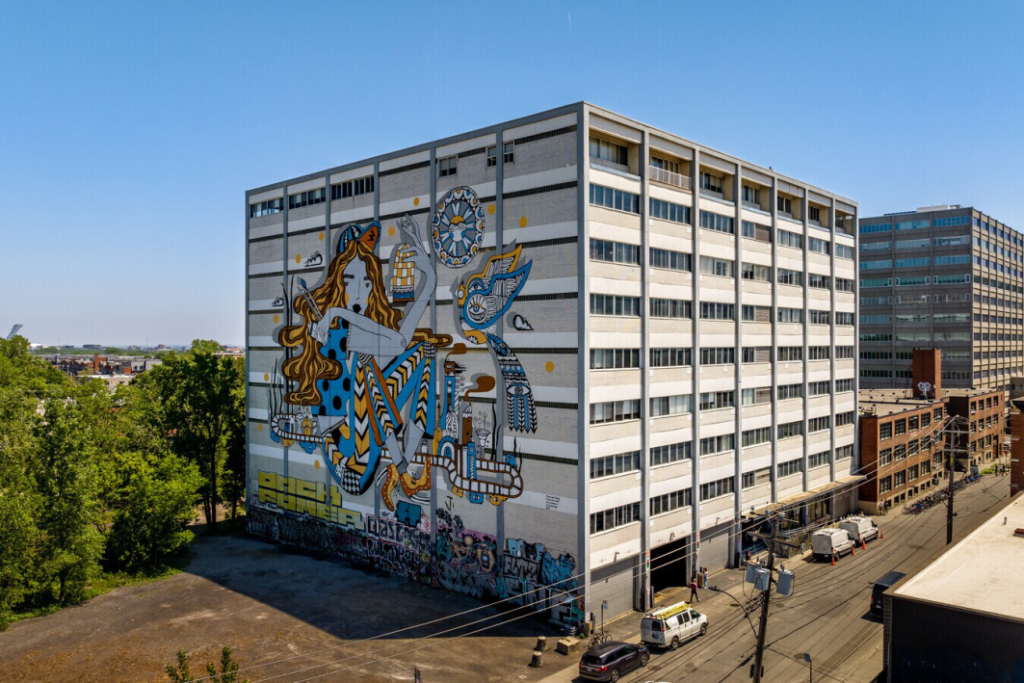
{"x": 827, "y": 615}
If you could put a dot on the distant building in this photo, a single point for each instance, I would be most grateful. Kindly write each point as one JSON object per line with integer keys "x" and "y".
{"x": 1017, "y": 447}
{"x": 92, "y": 347}
{"x": 961, "y": 618}
{"x": 946, "y": 276}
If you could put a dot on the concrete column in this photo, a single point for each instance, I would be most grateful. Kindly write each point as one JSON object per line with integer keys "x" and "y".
{"x": 583, "y": 359}
{"x": 284, "y": 282}
{"x": 499, "y": 242}
{"x": 698, "y": 368}
{"x": 734, "y": 536}
{"x": 645, "y": 372}
{"x": 804, "y": 206}
{"x": 832, "y": 346}
{"x": 775, "y": 336}
{"x": 439, "y": 376}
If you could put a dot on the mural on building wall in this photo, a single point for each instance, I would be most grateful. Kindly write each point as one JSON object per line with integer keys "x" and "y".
{"x": 360, "y": 382}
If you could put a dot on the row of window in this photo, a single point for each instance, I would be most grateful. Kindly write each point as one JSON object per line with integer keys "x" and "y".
{"x": 960, "y": 241}
{"x": 630, "y": 306}
{"x": 921, "y": 262}
{"x": 916, "y": 281}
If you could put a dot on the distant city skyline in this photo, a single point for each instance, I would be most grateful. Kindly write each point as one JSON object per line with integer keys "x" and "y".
{"x": 133, "y": 132}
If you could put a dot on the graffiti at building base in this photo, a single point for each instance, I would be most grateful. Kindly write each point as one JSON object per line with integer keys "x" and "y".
{"x": 454, "y": 558}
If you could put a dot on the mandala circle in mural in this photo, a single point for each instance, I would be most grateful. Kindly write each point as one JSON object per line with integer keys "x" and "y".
{"x": 458, "y": 228}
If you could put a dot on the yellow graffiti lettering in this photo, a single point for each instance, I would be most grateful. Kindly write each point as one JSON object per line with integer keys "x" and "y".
{"x": 315, "y": 499}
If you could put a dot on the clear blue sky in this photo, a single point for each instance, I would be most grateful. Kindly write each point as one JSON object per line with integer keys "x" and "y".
{"x": 129, "y": 132}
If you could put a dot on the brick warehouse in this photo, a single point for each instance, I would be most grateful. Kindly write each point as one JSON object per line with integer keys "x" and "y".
{"x": 508, "y": 363}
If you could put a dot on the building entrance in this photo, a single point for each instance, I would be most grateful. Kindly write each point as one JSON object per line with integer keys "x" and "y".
{"x": 670, "y": 564}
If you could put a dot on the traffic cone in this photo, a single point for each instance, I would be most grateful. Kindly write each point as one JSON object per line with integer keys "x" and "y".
{"x": 853, "y": 548}
{"x": 863, "y": 544}
{"x": 833, "y": 559}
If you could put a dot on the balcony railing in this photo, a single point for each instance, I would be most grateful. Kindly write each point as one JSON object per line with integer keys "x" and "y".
{"x": 752, "y": 205}
{"x": 669, "y": 178}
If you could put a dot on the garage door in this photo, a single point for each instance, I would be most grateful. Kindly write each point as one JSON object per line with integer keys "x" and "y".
{"x": 614, "y": 584}
{"x": 714, "y": 551}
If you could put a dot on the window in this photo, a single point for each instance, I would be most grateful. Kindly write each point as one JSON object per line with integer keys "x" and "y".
{"x": 844, "y": 319}
{"x": 718, "y": 356}
{"x": 604, "y": 359}
{"x": 757, "y": 314}
{"x": 753, "y": 437}
{"x": 609, "y": 151}
{"x": 790, "y": 239}
{"x": 752, "y": 195}
{"x": 913, "y": 281}
{"x": 818, "y": 352}
{"x": 844, "y": 285}
{"x": 788, "y": 391}
{"x": 791, "y": 353}
{"x": 757, "y": 354}
{"x": 900, "y": 478}
{"x": 717, "y": 489}
{"x": 667, "y": 211}
{"x": 266, "y": 208}
{"x": 821, "y": 318}
{"x": 671, "y": 405}
{"x": 717, "y": 444}
{"x": 901, "y": 427}
{"x": 671, "y": 308}
{"x": 671, "y": 260}
{"x": 614, "y": 199}
{"x": 671, "y": 501}
{"x": 756, "y": 396}
{"x": 876, "y": 265}
{"x": 844, "y": 352}
{"x": 615, "y": 411}
{"x": 913, "y": 423}
{"x": 877, "y": 227}
{"x": 791, "y": 429}
{"x": 913, "y": 262}
{"x": 912, "y": 244}
{"x": 790, "y": 277}
{"x": 718, "y": 267}
{"x": 716, "y": 400}
{"x": 671, "y": 357}
{"x": 885, "y": 431}
{"x": 912, "y": 225}
{"x": 786, "y": 469}
{"x": 676, "y": 452}
{"x": 614, "y": 252}
{"x": 844, "y": 385}
{"x": 613, "y": 304}
{"x": 843, "y": 251}
{"x": 913, "y": 447}
{"x": 899, "y": 452}
{"x": 963, "y": 240}
{"x": 756, "y": 231}
{"x": 309, "y": 198}
{"x": 814, "y": 214}
{"x": 713, "y": 311}
{"x": 791, "y": 315}
{"x": 875, "y": 319}
{"x": 447, "y": 166}
{"x": 952, "y": 260}
{"x": 876, "y": 282}
{"x": 843, "y": 419}
{"x": 784, "y": 205}
{"x": 352, "y": 188}
{"x": 614, "y": 464}
{"x": 926, "y": 420}
{"x": 714, "y": 221}
{"x": 819, "y": 281}
{"x": 875, "y": 246}
{"x": 885, "y": 485}
{"x": 711, "y": 182}
{"x": 818, "y": 460}
{"x": 752, "y": 271}
{"x": 819, "y": 388}
{"x": 616, "y": 517}
{"x": 885, "y": 457}
{"x": 756, "y": 478}
{"x": 508, "y": 153}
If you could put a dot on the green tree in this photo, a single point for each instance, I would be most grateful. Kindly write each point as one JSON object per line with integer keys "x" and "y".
{"x": 197, "y": 393}
{"x": 65, "y": 476}
{"x": 233, "y": 488}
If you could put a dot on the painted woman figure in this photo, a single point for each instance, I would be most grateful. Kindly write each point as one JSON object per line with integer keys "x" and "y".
{"x": 364, "y": 370}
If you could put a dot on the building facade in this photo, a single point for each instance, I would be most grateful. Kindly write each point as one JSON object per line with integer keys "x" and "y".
{"x": 945, "y": 276}
{"x": 531, "y": 362}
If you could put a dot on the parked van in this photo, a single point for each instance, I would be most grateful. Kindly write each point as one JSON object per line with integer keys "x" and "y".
{"x": 882, "y": 585}
{"x": 672, "y": 625}
{"x": 828, "y": 542}
{"x": 861, "y": 529}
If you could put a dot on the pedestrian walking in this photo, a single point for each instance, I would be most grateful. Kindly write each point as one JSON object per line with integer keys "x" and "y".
{"x": 693, "y": 590}
{"x": 706, "y": 584}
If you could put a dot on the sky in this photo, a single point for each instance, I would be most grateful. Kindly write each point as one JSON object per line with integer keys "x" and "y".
{"x": 129, "y": 132}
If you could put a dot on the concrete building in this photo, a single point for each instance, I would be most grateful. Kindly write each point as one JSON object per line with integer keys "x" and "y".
{"x": 621, "y": 341}
{"x": 962, "y": 617}
{"x": 944, "y": 276}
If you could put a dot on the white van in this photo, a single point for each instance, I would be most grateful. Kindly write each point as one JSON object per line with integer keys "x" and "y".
{"x": 672, "y": 625}
{"x": 861, "y": 529}
{"x": 826, "y": 542}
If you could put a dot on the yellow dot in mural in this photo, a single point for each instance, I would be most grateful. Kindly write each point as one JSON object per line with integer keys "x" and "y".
{"x": 276, "y": 319}
{"x": 491, "y": 209}
{"x": 266, "y": 376}
{"x": 549, "y": 366}
{"x": 321, "y": 237}
{"x": 416, "y": 201}
{"x": 391, "y": 231}
{"x": 316, "y": 464}
{"x": 522, "y": 221}
{"x": 259, "y": 428}
{"x": 298, "y": 258}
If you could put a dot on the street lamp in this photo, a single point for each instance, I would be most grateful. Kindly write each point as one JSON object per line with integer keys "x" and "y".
{"x": 807, "y": 658}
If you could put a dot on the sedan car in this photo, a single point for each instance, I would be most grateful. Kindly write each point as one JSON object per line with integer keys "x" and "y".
{"x": 609, "y": 661}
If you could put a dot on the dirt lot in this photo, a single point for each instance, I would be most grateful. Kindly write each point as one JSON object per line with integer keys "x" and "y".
{"x": 270, "y": 604}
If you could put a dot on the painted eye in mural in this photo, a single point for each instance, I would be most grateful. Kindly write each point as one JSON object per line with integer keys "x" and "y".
{"x": 476, "y": 309}
{"x": 458, "y": 227}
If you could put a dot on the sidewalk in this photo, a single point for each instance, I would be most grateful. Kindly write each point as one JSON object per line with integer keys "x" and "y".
{"x": 715, "y": 604}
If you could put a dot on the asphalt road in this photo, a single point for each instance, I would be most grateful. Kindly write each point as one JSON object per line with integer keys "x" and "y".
{"x": 827, "y": 616}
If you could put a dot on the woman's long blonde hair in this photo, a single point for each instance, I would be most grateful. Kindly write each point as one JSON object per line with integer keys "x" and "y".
{"x": 310, "y": 365}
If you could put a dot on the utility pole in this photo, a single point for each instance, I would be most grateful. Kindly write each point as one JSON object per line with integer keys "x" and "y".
{"x": 762, "y": 626}
{"x": 956, "y": 428}
{"x": 949, "y": 501}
